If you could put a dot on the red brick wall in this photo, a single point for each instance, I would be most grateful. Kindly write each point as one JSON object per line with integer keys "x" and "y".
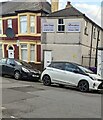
{"x": 5, "y": 51}
{"x": 15, "y": 25}
{"x": 16, "y": 52}
{"x": 4, "y": 26}
{"x": 38, "y": 53}
{"x": 38, "y": 24}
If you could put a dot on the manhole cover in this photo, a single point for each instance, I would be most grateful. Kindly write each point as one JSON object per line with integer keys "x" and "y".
{"x": 26, "y": 89}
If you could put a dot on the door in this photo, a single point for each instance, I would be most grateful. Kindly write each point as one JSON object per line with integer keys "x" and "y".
{"x": 47, "y": 58}
{"x": 10, "y": 67}
{"x": 10, "y": 52}
{"x": 71, "y": 76}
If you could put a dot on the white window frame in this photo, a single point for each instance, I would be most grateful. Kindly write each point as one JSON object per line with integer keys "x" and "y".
{"x": 61, "y": 24}
{"x": 9, "y": 21}
{"x": 21, "y": 22}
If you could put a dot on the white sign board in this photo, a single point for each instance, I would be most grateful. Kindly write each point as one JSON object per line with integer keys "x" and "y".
{"x": 73, "y": 27}
{"x": 48, "y": 27}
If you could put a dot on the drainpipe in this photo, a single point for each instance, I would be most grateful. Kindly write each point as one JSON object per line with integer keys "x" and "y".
{"x": 96, "y": 49}
{"x": 91, "y": 47}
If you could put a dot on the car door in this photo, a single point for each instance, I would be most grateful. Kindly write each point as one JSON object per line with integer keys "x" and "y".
{"x": 2, "y": 66}
{"x": 57, "y": 72}
{"x": 72, "y": 75}
{"x": 10, "y": 67}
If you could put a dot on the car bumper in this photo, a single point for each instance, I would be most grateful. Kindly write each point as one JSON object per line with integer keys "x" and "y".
{"x": 97, "y": 85}
{"x": 31, "y": 76}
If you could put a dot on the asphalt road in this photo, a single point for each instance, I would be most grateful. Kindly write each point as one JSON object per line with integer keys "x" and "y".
{"x": 28, "y": 99}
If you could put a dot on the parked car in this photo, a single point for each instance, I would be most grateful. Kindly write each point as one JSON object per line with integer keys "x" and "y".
{"x": 18, "y": 69}
{"x": 67, "y": 73}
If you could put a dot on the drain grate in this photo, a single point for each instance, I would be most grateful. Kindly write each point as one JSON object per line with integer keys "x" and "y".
{"x": 27, "y": 89}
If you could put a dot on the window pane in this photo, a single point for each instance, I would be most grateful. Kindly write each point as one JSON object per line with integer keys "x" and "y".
{"x": 32, "y": 24}
{"x": 32, "y": 53}
{"x": 23, "y": 24}
{"x": 24, "y": 52}
{"x": 0, "y": 26}
{"x": 1, "y": 51}
{"x": 10, "y": 23}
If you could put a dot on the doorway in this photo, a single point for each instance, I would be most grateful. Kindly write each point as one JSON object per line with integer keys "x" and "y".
{"x": 47, "y": 57}
{"x": 10, "y": 52}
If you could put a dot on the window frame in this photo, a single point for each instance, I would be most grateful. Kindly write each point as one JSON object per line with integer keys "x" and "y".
{"x": 30, "y": 22}
{"x": 9, "y": 23}
{"x": 62, "y": 24}
{"x": 23, "y": 22}
{"x": 26, "y": 48}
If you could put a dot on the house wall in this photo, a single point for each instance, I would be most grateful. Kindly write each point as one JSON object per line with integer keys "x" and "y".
{"x": 27, "y": 38}
{"x": 68, "y": 46}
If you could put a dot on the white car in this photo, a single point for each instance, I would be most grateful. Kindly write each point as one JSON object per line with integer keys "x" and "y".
{"x": 66, "y": 73}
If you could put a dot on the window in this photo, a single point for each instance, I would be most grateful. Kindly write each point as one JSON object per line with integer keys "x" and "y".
{"x": 94, "y": 32}
{"x": 1, "y": 51}
{"x": 0, "y": 26}
{"x": 3, "y": 61}
{"x": 32, "y": 24}
{"x": 9, "y": 62}
{"x": 9, "y": 23}
{"x": 24, "y": 52}
{"x": 61, "y": 26}
{"x": 57, "y": 65}
{"x": 70, "y": 67}
{"x": 32, "y": 52}
{"x": 86, "y": 28}
{"x": 23, "y": 24}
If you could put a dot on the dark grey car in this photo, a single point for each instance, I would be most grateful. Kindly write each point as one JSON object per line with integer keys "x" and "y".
{"x": 18, "y": 69}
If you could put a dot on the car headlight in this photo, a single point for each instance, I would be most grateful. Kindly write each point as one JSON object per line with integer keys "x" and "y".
{"x": 24, "y": 69}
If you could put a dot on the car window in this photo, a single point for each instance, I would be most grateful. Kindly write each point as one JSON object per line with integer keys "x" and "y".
{"x": 57, "y": 65}
{"x": 69, "y": 67}
{"x": 9, "y": 61}
{"x": 2, "y": 61}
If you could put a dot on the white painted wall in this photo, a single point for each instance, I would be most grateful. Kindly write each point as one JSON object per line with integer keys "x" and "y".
{"x": 65, "y": 46}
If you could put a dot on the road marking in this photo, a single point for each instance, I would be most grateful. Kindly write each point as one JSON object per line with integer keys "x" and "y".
{"x": 12, "y": 116}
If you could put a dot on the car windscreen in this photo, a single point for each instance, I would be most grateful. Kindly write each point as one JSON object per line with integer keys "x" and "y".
{"x": 86, "y": 69}
{"x": 20, "y": 62}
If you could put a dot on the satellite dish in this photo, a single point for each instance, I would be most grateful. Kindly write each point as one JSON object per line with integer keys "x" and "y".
{"x": 10, "y": 33}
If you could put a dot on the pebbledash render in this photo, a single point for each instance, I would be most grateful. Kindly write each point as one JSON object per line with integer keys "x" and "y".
{"x": 70, "y": 35}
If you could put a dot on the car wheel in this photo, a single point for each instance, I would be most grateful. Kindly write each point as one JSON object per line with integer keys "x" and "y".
{"x": 83, "y": 86}
{"x": 46, "y": 80}
{"x": 17, "y": 75}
